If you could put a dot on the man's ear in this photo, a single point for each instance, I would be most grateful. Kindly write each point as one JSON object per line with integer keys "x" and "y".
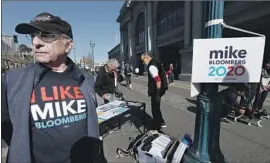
{"x": 68, "y": 45}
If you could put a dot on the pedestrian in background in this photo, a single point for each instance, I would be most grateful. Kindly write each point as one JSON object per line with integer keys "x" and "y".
{"x": 128, "y": 73}
{"x": 262, "y": 90}
{"x": 170, "y": 73}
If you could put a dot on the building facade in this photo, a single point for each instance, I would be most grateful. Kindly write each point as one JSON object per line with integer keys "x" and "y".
{"x": 8, "y": 44}
{"x": 9, "y": 54}
{"x": 167, "y": 29}
{"x": 115, "y": 53}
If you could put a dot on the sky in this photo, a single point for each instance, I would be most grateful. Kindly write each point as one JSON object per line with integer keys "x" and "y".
{"x": 90, "y": 20}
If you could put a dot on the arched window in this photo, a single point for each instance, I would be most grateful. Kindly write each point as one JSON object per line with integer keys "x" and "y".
{"x": 169, "y": 16}
{"x": 139, "y": 31}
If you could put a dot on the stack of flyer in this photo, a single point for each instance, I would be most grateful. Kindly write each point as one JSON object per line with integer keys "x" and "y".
{"x": 163, "y": 149}
{"x": 183, "y": 145}
{"x": 160, "y": 145}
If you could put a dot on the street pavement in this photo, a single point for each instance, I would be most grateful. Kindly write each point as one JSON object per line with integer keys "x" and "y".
{"x": 239, "y": 143}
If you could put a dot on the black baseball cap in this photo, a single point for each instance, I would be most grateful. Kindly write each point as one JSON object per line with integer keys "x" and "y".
{"x": 45, "y": 22}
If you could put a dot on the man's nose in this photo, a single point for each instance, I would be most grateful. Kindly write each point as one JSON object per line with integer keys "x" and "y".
{"x": 37, "y": 42}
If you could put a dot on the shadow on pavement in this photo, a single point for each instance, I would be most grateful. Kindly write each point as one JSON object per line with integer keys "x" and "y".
{"x": 192, "y": 109}
{"x": 87, "y": 150}
{"x": 140, "y": 119}
{"x": 191, "y": 101}
{"x": 123, "y": 84}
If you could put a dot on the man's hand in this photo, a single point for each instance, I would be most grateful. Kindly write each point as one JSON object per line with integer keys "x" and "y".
{"x": 158, "y": 85}
{"x": 265, "y": 88}
{"x": 106, "y": 96}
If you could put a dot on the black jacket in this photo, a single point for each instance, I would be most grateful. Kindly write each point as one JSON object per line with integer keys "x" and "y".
{"x": 152, "y": 87}
{"x": 15, "y": 107}
{"x": 105, "y": 82}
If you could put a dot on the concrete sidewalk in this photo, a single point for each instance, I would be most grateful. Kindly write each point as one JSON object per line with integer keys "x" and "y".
{"x": 239, "y": 143}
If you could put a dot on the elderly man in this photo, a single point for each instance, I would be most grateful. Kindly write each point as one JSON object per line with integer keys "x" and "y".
{"x": 50, "y": 105}
{"x": 157, "y": 86}
{"x": 107, "y": 80}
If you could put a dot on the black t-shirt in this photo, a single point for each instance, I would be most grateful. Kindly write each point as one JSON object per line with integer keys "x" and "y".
{"x": 58, "y": 117}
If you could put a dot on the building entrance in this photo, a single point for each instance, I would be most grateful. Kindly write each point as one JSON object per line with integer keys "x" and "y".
{"x": 169, "y": 54}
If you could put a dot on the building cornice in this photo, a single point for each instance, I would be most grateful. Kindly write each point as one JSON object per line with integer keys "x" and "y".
{"x": 114, "y": 48}
{"x": 124, "y": 10}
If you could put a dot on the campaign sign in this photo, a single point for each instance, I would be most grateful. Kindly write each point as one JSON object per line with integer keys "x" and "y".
{"x": 227, "y": 60}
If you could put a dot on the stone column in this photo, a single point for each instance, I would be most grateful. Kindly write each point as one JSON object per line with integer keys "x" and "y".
{"x": 145, "y": 25}
{"x": 197, "y": 19}
{"x": 130, "y": 39}
{"x": 155, "y": 49}
{"x": 121, "y": 43}
{"x": 187, "y": 24}
{"x": 149, "y": 17}
{"x": 186, "y": 53}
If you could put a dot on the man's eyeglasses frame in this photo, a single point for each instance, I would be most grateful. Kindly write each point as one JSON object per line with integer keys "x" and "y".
{"x": 46, "y": 37}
